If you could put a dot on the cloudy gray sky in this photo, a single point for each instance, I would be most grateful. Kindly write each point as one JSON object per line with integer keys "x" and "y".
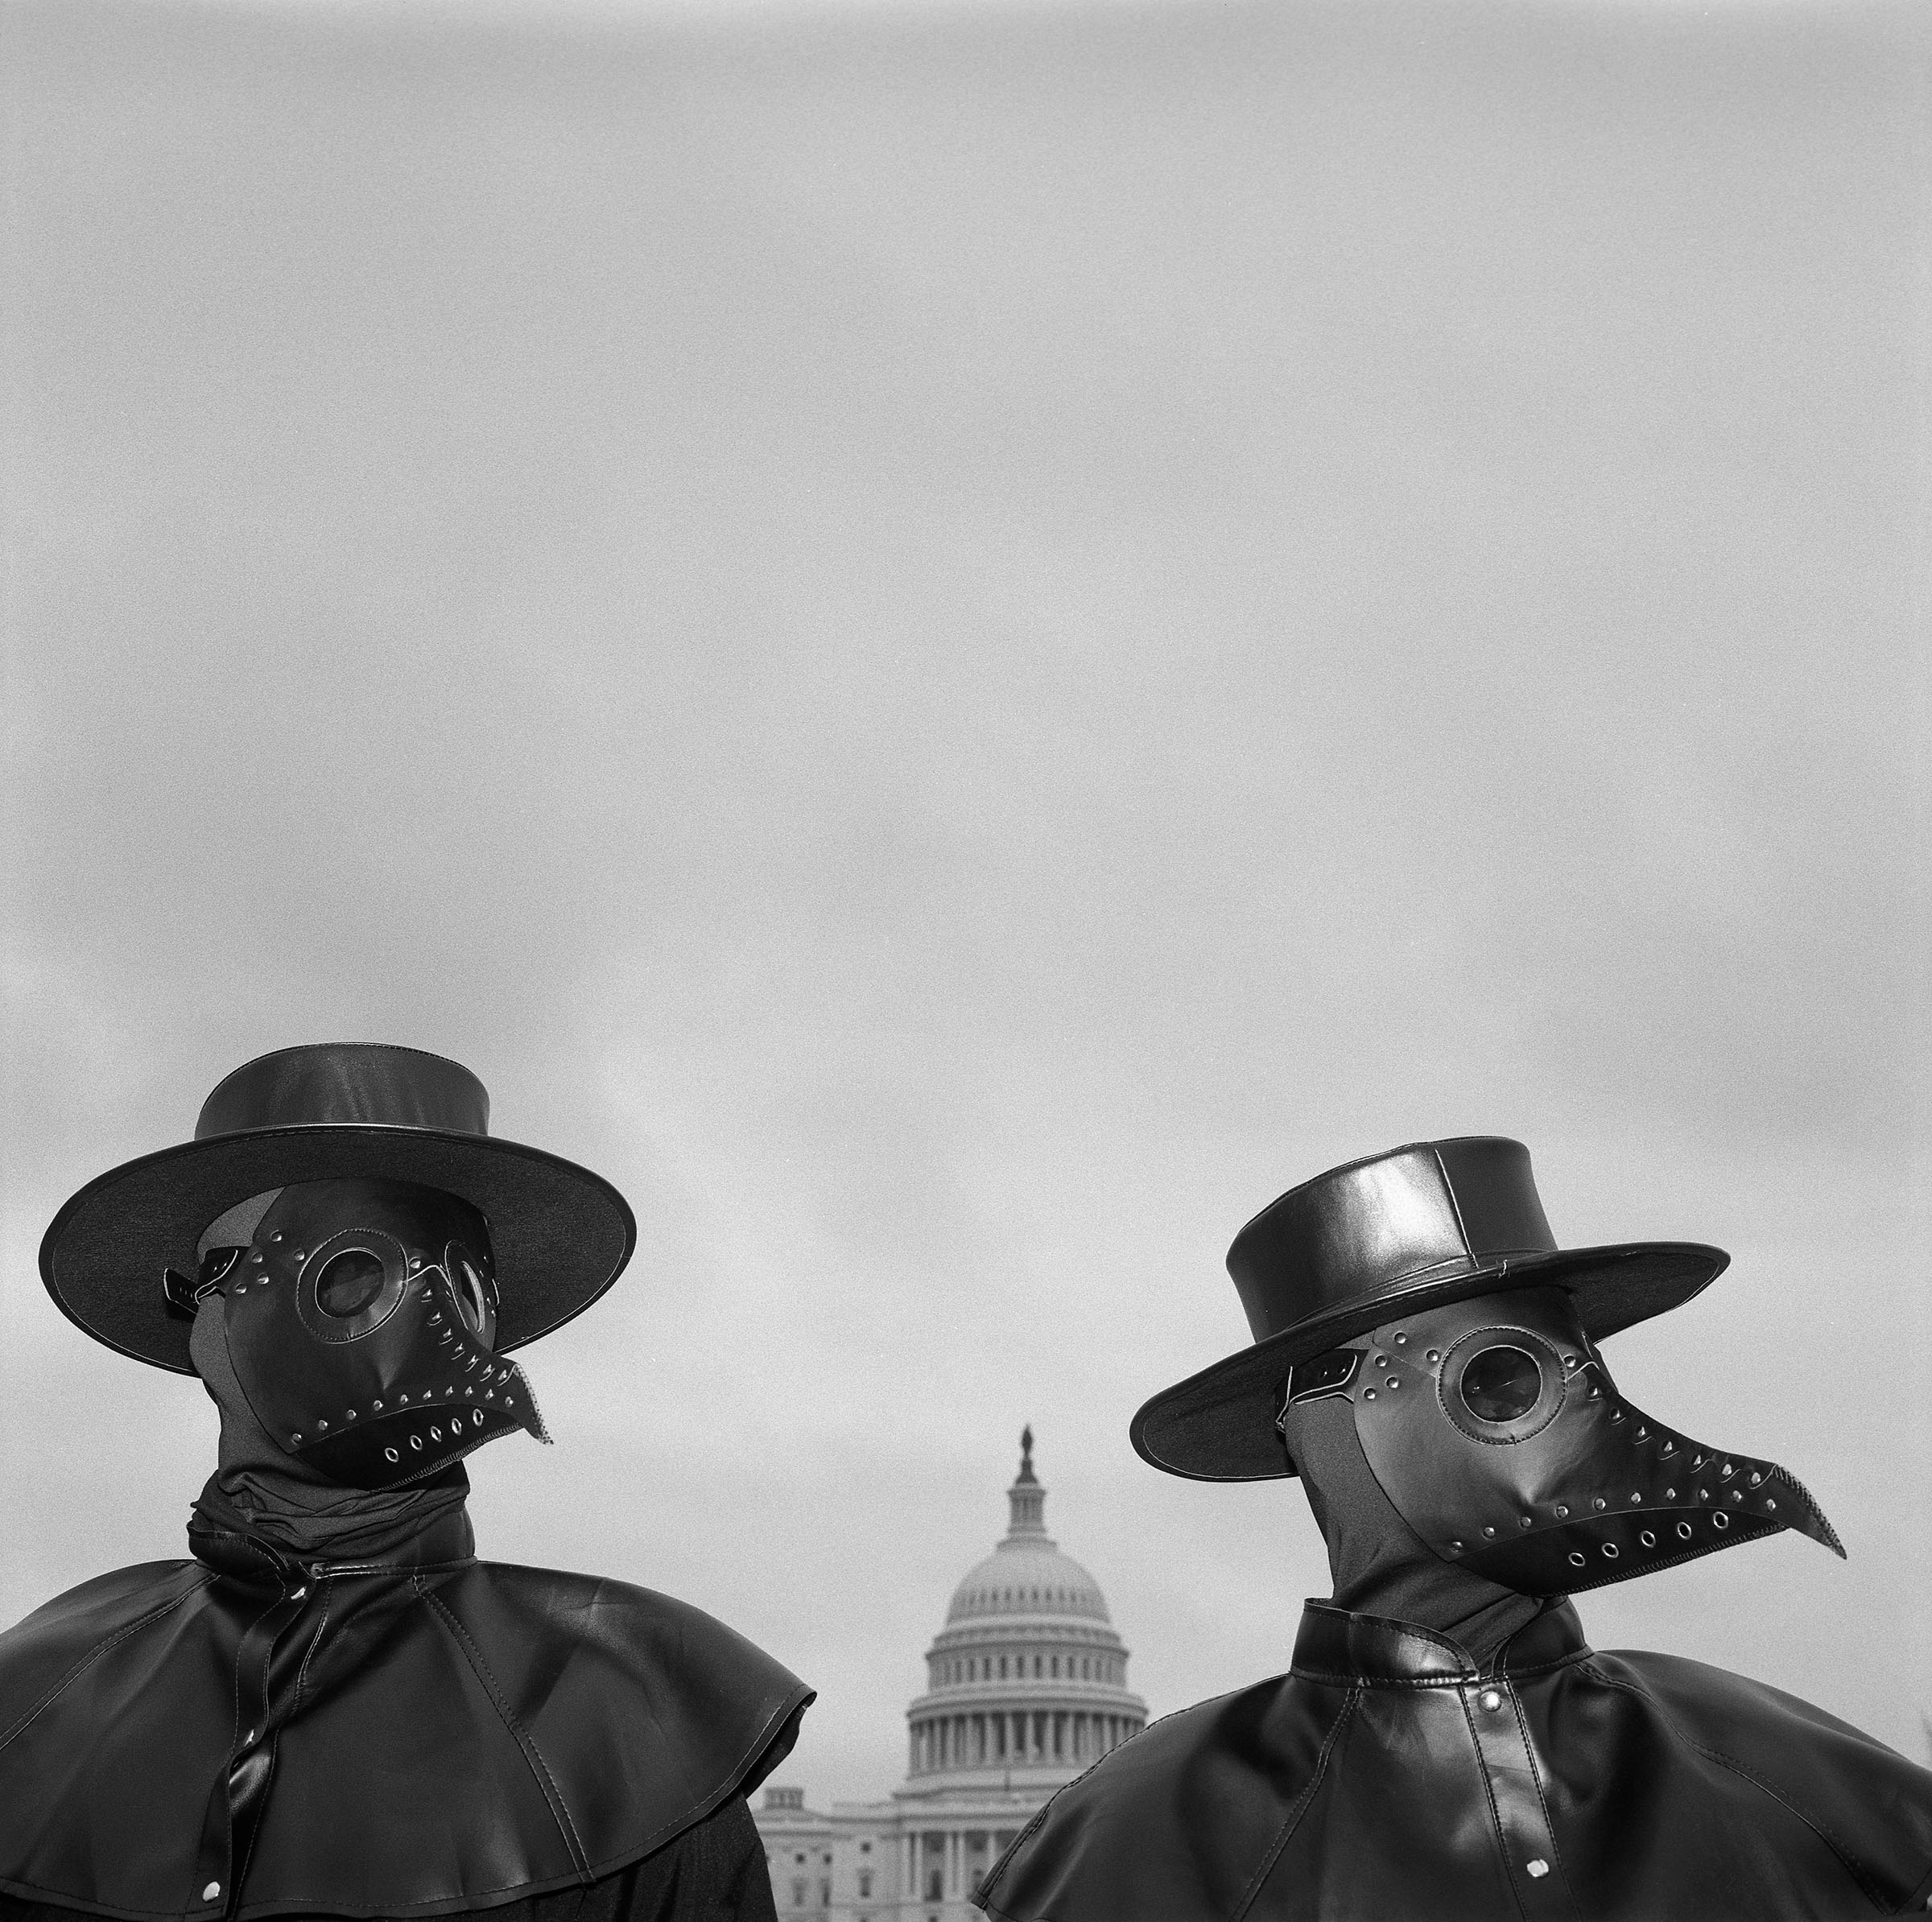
{"x": 956, "y": 641}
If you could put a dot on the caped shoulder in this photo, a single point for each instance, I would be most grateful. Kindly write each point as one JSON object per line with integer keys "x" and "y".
{"x": 477, "y": 1731}
{"x": 1173, "y": 1821}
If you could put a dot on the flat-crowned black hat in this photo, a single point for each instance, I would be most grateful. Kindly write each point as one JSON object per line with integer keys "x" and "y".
{"x": 338, "y": 1109}
{"x": 1369, "y": 1243}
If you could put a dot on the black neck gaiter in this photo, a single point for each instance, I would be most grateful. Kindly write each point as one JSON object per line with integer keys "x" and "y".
{"x": 257, "y": 1489}
{"x": 1378, "y": 1565}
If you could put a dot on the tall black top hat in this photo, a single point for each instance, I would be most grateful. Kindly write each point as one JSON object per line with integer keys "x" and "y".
{"x": 1366, "y": 1244}
{"x": 560, "y": 1235}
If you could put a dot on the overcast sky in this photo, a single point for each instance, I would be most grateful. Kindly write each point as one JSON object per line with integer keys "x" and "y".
{"x": 955, "y": 642}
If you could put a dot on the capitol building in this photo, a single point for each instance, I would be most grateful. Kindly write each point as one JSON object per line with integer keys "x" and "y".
{"x": 1025, "y": 1687}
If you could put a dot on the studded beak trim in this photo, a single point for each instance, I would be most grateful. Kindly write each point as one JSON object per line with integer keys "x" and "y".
{"x": 1496, "y": 1431}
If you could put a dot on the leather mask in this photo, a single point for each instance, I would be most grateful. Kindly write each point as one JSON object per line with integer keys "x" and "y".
{"x": 1495, "y": 1430}
{"x": 360, "y": 1316}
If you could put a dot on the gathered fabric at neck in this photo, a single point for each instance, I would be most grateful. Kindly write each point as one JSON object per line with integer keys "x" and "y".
{"x": 1380, "y": 1566}
{"x": 258, "y": 1490}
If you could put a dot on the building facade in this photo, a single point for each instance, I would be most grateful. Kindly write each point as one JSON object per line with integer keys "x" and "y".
{"x": 1025, "y": 1687}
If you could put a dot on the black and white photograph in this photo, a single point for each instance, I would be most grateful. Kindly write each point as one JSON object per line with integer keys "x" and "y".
{"x": 966, "y": 960}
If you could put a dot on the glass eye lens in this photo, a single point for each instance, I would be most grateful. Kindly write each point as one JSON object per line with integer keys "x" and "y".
{"x": 472, "y": 1294}
{"x": 348, "y": 1283}
{"x": 1501, "y": 1384}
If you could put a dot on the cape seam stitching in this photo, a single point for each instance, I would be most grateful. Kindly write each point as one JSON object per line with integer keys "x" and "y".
{"x": 698, "y": 1812}
{"x": 1851, "y": 1865}
{"x": 94, "y": 1654}
{"x": 1542, "y": 1801}
{"x": 1265, "y": 1867}
{"x": 533, "y": 1755}
{"x": 1496, "y": 1814}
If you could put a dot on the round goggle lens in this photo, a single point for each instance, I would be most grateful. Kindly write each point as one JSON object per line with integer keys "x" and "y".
{"x": 348, "y": 1283}
{"x": 1501, "y": 1384}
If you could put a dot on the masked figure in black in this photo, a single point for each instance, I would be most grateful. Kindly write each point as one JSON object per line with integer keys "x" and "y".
{"x": 1445, "y": 1745}
{"x": 334, "y": 1708}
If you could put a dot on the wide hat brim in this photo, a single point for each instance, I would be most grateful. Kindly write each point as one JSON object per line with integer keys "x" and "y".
{"x": 1219, "y": 1425}
{"x": 560, "y": 1235}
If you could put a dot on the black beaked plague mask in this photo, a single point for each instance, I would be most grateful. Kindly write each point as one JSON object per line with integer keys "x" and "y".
{"x": 359, "y": 1315}
{"x": 1495, "y": 1430}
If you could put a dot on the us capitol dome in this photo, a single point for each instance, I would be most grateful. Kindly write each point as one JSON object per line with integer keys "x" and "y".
{"x": 1025, "y": 1688}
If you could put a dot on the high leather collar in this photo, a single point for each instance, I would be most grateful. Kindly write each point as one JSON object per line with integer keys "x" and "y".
{"x": 1371, "y": 1651}
{"x": 247, "y": 1558}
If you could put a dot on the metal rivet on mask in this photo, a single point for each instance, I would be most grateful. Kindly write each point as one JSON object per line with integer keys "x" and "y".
{"x": 1562, "y": 1510}
{"x": 349, "y": 1415}
{"x": 1367, "y": 1395}
{"x": 1568, "y": 1361}
{"x": 1669, "y": 1448}
{"x": 1648, "y": 1539}
{"x": 1576, "y": 1560}
{"x": 1491, "y": 1700}
{"x": 402, "y": 1398}
{"x": 276, "y": 1236}
{"x": 1683, "y": 1530}
{"x": 321, "y": 1425}
{"x": 1616, "y": 1414}
{"x": 1595, "y": 1391}
{"x": 1641, "y": 1431}
{"x": 509, "y": 1403}
{"x": 257, "y": 1256}
{"x": 1434, "y": 1354}
{"x": 1725, "y": 1472}
{"x": 1670, "y": 1495}
{"x": 301, "y": 1254}
{"x": 1756, "y": 1478}
{"x": 1400, "y": 1339}
{"x": 415, "y": 1261}
{"x": 449, "y": 1391}
{"x": 1737, "y": 1495}
{"x": 1768, "y": 1503}
{"x": 1395, "y": 1381}
{"x": 376, "y": 1406}
{"x": 295, "y": 1437}
{"x": 1455, "y": 1544}
{"x": 1599, "y": 1503}
{"x": 434, "y": 1319}
{"x": 1720, "y": 1519}
{"x": 391, "y": 1454}
{"x": 1610, "y": 1551}
{"x": 1523, "y": 1521}
{"x": 1488, "y": 1531}
{"x": 1636, "y": 1498}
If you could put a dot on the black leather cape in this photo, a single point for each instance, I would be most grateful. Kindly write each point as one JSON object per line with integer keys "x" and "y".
{"x": 1385, "y": 1776}
{"x": 247, "y": 1735}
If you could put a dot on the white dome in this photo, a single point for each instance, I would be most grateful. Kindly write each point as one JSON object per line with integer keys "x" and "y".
{"x": 1031, "y": 1579}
